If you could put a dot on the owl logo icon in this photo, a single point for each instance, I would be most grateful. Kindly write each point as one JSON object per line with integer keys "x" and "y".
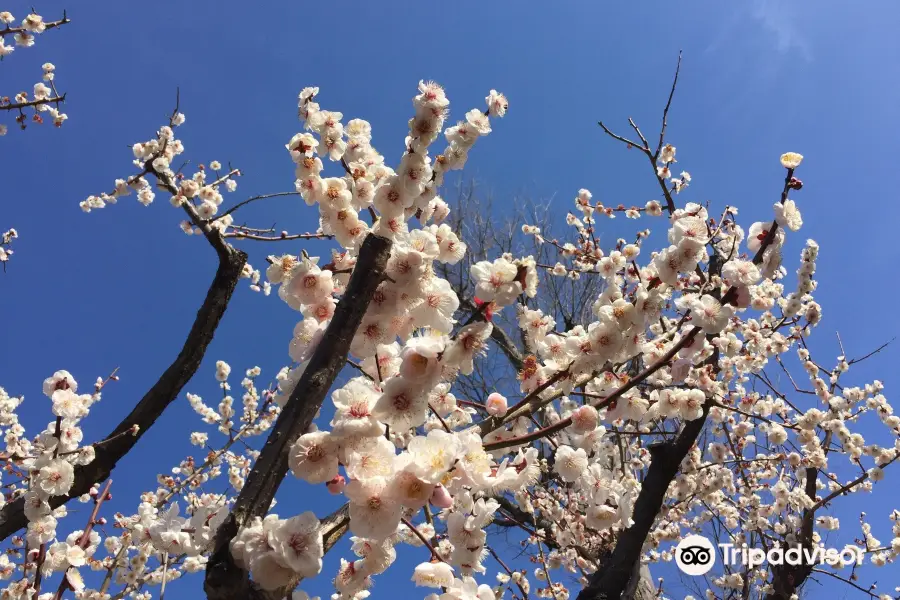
{"x": 695, "y": 555}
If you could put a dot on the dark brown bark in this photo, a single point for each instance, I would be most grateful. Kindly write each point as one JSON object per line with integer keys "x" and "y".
{"x": 224, "y": 579}
{"x": 610, "y": 581}
{"x": 155, "y": 401}
{"x": 787, "y": 579}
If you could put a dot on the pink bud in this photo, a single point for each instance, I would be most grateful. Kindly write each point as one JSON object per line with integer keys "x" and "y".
{"x": 585, "y": 419}
{"x": 496, "y": 405}
{"x": 440, "y": 497}
{"x": 336, "y": 485}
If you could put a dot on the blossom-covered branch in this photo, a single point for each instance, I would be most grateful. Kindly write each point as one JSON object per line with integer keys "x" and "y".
{"x": 6, "y": 251}
{"x": 45, "y": 99}
{"x": 13, "y": 516}
{"x": 223, "y": 579}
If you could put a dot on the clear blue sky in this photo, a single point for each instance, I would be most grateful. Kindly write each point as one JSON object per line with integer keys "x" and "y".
{"x": 120, "y": 287}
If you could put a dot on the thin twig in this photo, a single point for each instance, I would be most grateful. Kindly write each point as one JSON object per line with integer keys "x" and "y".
{"x": 662, "y": 132}
{"x": 253, "y": 199}
{"x": 424, "y": 540}
{"x": 623, "y": 140}
{"x": 872, "y": 353}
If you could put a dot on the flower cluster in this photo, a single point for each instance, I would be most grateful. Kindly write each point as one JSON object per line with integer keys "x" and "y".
{"x": 5, "y": 242}
{"x": 47, "y": 465}
{"x": 275, "y": 550}
{"x": 45, "y": 99}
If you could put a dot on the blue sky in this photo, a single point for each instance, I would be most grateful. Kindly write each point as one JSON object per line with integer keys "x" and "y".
{"x": 119, "y": 287}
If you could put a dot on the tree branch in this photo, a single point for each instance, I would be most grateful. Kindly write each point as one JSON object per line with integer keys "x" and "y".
{"x": 610, "y": 581}
{"x": 526, "y": 406}
{"x": 20, "y": 105}
{"x": 665, "y": 123}
{"x": 502, "y": 339}
{"x": 224, "y": 579}
{"x": 155, "y": 401}
{"x": 254, "y": 199}
{"x": 51, "y": 25}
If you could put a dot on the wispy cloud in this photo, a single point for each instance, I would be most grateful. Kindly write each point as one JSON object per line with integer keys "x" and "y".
{"x": 754, "y": 44}
{"x": 771, "y": 25}
{"x": 779, "y": 19}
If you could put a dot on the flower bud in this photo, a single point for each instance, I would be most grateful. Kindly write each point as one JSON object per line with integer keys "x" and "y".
{"x": 440, "y": 497}
{"x": 496, "y": 405}
{"x": 336, "y": 485}
{"x": 584, "y": 419}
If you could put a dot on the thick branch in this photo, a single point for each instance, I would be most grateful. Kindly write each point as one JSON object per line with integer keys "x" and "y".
{"x": 241, "y": 235}
{"x": 505, "y": 343}
{"x": 155, "y": 401}
{"x": 224, "y": 579}
{"x": 610, "y": 581}
{"x": 334, "y": 526}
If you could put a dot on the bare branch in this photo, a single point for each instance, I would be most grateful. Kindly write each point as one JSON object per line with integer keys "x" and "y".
{"x": 665, "y": 123}
{"x": 637, "y": 130}
{"x": 624, "y": 140}
{"x": 284, "y": 237}
{"x": 254, "y": 199}
{"x": 872, "y": 353}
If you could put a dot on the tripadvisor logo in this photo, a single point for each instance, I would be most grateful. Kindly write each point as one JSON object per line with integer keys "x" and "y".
{"x": 696, "y": 555}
